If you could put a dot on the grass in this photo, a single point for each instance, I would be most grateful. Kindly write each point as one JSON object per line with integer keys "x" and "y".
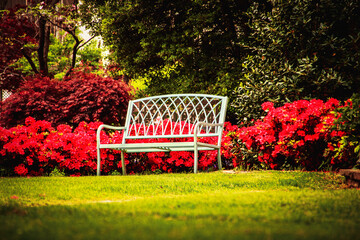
{"x": 252, "y": 205}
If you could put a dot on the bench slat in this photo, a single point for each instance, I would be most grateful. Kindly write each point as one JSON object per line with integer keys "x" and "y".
{"x": 159, "y": 147}
{"x": 172, "y": 136}
{"x": 169, "y": 150}
{"x": 156, "y": 145}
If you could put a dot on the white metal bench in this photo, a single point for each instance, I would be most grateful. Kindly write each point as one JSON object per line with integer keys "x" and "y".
{"x": 170, "y": 116}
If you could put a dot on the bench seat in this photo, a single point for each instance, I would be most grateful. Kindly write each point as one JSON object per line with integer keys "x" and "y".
{"x": 159, "y": 147}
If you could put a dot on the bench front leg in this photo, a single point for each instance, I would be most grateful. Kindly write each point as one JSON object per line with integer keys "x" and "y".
{"x": 98, "y": 161}
{"x": 123, "y": 167}
{"x": 219, "y": 159}
{"x": 98, "y": 144}
{"x": 196, "y": 155}
{"x": 198, "y": 126}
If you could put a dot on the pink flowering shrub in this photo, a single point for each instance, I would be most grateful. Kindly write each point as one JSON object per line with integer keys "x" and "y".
{"x": 36, "y": 149}
{"x": 296, "y": 135}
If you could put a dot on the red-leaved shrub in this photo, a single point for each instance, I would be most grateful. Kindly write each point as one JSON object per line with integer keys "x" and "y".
{"x": 17, "y": 34}
{"x": 82, "y": 97}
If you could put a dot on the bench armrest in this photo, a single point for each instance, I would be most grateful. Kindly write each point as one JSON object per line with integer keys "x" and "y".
{"x": 108, "y": 127}
{"x": 199, "y": 125}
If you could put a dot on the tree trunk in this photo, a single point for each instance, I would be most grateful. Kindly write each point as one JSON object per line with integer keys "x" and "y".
{"x": 3, "y": 4}
{"x": 74, "y": 53}
{"x": 44, "y": 41}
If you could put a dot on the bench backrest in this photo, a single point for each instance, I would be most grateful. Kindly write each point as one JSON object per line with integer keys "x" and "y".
{"x": 171, "y": 116}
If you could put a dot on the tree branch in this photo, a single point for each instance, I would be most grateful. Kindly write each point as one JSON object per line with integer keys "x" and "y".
{"x": 91, "y": 38}
{"x": 76, "y": 48}
{"x": 29, "y": 59}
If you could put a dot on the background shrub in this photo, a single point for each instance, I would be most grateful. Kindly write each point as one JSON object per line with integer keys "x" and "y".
{"x": 82, "y": 97}
{"x": 347, "y": 146}
{"x": 298, "y": 135}
{"x": 299, "y": 50}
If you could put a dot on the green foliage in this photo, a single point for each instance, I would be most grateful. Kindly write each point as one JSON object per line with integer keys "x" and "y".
{"x": 349, "y": 122}
{"x": 57, "y": 173}
{"x": 263, "y": 80}
{"x": 299, "y": 50}
{"x": 60, "y": 54}
{"x": 163, "y": 80}
{"x": 90, "y": 54}
{"x": 138, "y": 86}
{"x": 178, "y": 46}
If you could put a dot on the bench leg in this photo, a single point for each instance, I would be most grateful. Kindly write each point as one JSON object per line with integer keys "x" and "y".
{"x": 196, "y": 160}
{"x": 219, "y": 159}
{"x": 123, "y": 167}
{"x": 98, "y": 161}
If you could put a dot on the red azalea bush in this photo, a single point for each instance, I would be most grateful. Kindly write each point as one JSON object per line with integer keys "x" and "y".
{"x": 310, "y": 135}
{"x": 296, "y": 135}
{"x": 82, "y": 97}
{"x": 22, "y": 146}
{"x": 36, "y": 149}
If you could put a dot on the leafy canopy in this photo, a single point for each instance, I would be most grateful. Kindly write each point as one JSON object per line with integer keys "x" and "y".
{"x": 179, "y": 46}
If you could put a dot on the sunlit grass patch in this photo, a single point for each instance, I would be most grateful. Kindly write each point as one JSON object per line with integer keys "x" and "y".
{"x": 251, "y": 205}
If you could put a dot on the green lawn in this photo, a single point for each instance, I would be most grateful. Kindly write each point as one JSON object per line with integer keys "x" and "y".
{"x": 252, "y": 205}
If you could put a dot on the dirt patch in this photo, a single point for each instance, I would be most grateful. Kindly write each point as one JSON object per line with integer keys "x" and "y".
{"x": 352, "y": 177}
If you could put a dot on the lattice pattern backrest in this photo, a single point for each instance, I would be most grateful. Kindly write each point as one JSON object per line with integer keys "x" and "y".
{"x": 174, "y": 115}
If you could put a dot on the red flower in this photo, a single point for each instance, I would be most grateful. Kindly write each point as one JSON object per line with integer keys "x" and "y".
{"x": 21, "y": 170}
{"x": 268, "y": 106}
